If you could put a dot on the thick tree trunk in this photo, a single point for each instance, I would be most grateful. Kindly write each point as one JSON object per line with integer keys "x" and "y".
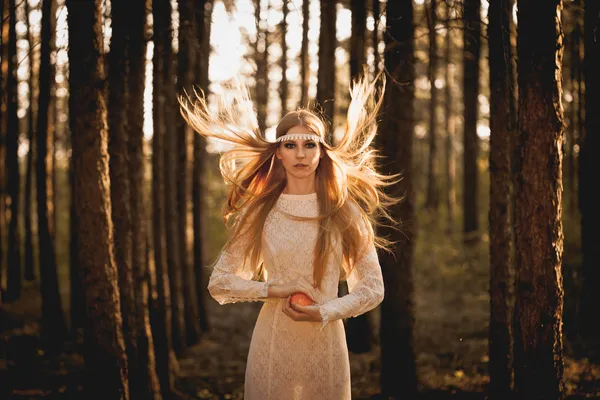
{"x": 118, "y": 148}
{"x": 13, "y": 271}
{"x": 501, "y": 202}
{"x": 147, "y": 386}
{"x": 472, "y": 47}
{"x": 326, "y": 73}
{"x": 397, "y": 312}
{"x": 104, "y": 348}
{"x": 161, "y": 327}
{"x": 186, "y": 64}
{"x": 170, "y": 192}
{"x": 588, "y": 197}
{"x": 203, "y": 25}
{"x": 538, "y": 228}
{"x": 262, "y": 68}
{"x": 53, "y": 320}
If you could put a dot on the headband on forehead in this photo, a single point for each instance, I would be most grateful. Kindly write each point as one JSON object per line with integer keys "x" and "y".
{"x": 299, "y": 136}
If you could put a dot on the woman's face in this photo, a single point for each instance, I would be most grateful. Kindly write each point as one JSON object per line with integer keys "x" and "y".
{"x": 300, "y": 157}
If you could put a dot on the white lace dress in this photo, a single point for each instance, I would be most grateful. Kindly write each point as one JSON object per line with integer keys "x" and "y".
{"x": 289, "y": 359}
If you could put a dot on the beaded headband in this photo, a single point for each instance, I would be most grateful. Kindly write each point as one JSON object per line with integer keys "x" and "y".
{"x": 299, "y": 136}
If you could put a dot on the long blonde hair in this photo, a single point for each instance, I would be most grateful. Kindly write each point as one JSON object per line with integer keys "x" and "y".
{"x": 347, "y": 181}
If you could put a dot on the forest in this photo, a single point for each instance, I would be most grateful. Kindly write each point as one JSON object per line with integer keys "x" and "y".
{"x": 111, "y": 205}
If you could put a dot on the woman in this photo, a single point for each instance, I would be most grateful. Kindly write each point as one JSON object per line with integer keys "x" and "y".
{"x": 313, "y": 204}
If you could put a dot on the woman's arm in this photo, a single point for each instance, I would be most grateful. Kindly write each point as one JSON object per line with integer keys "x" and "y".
{"x": 365, "y": 287}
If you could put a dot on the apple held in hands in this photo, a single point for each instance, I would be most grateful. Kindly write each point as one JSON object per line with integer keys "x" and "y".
{"x": 301, "y": 299}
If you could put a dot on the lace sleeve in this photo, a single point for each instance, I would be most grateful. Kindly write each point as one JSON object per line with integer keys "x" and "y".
{"x": 230, "y": 281}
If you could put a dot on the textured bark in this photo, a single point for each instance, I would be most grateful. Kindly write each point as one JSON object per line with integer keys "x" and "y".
{"x": 304, "y": 56}
{"x": 170, "y": 192}
{"x": 501, "y": 202}
{"x": 450, "y": 161}
{"x": 118, "y": 93}
{"x": 588, "y": 195}
{"x": 203, "y": 25}
{"x": 395, "y": 143}
{"x": 2, "y": 140}
{"x": 186, "y": 63}
{"x": 433, "y": 197}
{"x": 148, "y": 386}
{"x": 262, "y": 68}
{"x": 161, "y": 309}
{"x": 472, "y": 47}
{"x": 53, "y": 320}
{"x": 29, "y": 267}
{"x": 359, "y": 333}
{"x": 538, "y": 228}
{"x": 104, "y": 347}
{"x": 326, "y": 73}
{"x": 13, "y": 270}
{"x": 283, "y": 85}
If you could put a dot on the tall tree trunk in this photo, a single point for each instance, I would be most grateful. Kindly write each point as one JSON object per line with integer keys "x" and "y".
{"x": 2, "y": 143}
{"x": 203, "y": 25}
{"x": 326, "y": 73}
{"x": 283, "y": 86}
{"x": 53, "y": 320}
{"x": 148, "y": 386}
{"x": 571, "y": 131}
{"x": 13, "y": 271}
{"x": 304, "y": 56}
{"x": 359, "y": 333}
{"x": 29, "y": 246}
{"x": 472, "y": 47}
{"x": 432, "y": 200}
{"x": 262, "y": 68}
{"x": 450, "y": 167}
{"x": 539, "y": 295}
{"x": 397, "y": 313}
{"x": 162, "y": 328}
{"x": 588, "y": 197}
{"x": 357, "y": 38}
{"x": 376, "y": 16}
{"x": 186, "y": 65}
{"x": 104, "y": 349}
{"x": 118, "y": 149}
{"x": 170, "y": 193}
{"x": 501, "y": 201}
{"x": 51, "y": 135}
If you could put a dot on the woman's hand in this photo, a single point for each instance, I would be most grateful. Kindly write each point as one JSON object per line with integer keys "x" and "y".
{"x": 288, "y": 288}
{"x": 301, "y": 313}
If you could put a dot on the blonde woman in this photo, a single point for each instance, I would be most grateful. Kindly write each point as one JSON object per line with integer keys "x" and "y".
{"x": 303, "y": 212}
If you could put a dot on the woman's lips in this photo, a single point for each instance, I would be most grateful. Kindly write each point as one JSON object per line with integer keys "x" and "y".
{"x": 300, "y": 165}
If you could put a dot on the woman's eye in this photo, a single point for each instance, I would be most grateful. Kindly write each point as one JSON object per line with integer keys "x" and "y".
{"x": 289, "y": 145}
{"x": 310, "y": 145}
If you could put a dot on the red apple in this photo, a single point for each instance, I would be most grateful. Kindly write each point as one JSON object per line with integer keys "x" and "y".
{"x": 301, "y": 299}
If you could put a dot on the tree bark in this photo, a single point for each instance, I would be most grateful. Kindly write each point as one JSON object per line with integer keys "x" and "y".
{"x": 199, "y": 185}
{"x": 501, "y": 201}
{"x": 161, "y": 327}
{"x": 395, "y": 143}
{"x": 472, "y": 47}
{"x": 283, "y": 86}
{"x": 304, "y": 56}
{"x": 104, "y": 348}
{"x": 118, "y": 149}
{"x": 147, "y": 386}
{"x": 588, "y": 197}
{"x": 326, "y": 73}
{"x": 433, "y": 197}
{"x": 13, "y": 270}
{"x": 53, "y": 320}
{"x": 538, "y": 228}
{"x": 450, "y": 167}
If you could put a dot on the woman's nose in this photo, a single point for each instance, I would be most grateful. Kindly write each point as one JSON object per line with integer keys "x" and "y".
{"x": 300, "y": 153}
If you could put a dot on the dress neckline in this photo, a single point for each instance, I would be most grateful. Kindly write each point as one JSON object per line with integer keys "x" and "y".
{"x": 309, "y": 196}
